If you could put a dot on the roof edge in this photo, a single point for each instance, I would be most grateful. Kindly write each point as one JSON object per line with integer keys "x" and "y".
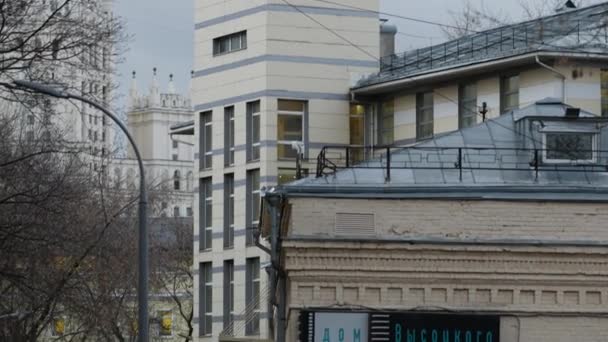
{"x": 473, "y": 66}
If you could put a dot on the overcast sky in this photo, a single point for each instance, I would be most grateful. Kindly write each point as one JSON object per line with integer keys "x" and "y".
{"x": 162, "y": 32}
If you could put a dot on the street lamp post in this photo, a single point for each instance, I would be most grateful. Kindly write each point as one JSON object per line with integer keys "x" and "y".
{"x": 142, "y": 287}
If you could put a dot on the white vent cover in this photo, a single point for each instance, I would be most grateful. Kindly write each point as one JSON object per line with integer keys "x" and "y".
{"x": 355, "y": 224}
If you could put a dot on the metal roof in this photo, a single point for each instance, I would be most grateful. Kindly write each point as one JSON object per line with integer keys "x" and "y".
{"x": 572, "y": 31}
{"x": 500, "y": 158}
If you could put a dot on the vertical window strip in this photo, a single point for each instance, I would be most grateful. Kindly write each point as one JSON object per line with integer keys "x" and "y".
{"x": 206, "y": 214}
{"x": 228, "y": 294}
{"x": 229, "y": 211}
{"x": 206, "y": 140}
{"x": 206, "y": 299}
{"x": 424, "y": 115}
{"x": 509, "y": 93}
{"x": 252, "y": 296}
{"x": 253, "y": 205}
{"x": 229, "y": 136}
{"x": 253, "y": 131}
{"x": 467, "y": 105}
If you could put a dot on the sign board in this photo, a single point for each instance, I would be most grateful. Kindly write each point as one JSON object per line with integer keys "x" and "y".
{"x": 397, "y": 327}
{"x": 419, "y": 327}
{"x": 334, "y": 327}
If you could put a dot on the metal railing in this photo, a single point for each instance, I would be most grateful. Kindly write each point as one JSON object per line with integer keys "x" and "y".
{"x": 502, "y": 41}
{"x": 389, "y": 158}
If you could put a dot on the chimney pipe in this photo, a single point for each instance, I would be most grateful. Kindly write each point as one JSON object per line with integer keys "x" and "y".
{"x": 387, "y": 38}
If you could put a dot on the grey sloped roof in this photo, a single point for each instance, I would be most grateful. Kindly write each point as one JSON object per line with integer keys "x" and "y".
{"x": 496, "y": 158}
{"x": 578, "y": 30}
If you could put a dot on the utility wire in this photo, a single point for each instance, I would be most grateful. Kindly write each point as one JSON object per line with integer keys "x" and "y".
{"x": 429, "y": 22}
{"x": 377, "y": 59}
{"x": 330, "y": 30}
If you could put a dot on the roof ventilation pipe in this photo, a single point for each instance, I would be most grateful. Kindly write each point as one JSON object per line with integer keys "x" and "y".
{"x": 387, "y": 38}
{"x": 569, "y": 5}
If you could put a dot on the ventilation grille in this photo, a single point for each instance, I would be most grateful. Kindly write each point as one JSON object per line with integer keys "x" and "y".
{"x": 352, "y": 224}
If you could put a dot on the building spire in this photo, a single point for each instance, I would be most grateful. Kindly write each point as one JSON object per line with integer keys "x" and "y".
{"x": 171, "y": 86}
{"x": 133, "y": 94}
{"x": 154, "y": 90}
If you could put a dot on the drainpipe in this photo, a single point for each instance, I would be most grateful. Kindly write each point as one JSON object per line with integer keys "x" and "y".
{"x": 277, "y": 275}
{"x": 559, "y": 74}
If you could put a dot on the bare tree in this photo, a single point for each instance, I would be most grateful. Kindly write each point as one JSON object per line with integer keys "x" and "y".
{"x": 56, "y": 218}
{"x": 172, "y": 264}
{"x": 473, "y": 18}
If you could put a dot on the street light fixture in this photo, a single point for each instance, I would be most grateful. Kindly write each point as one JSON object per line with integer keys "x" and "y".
{"x": 142, "y": 288}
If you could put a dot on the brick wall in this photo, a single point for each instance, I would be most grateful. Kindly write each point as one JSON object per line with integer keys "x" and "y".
{"x": 457, "y": 219}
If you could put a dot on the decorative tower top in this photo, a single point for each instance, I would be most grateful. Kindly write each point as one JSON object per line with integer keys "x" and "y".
{"x": 133, "y": 94}
{"x": 154, "y": 91}
{"x": 171, "y": 86}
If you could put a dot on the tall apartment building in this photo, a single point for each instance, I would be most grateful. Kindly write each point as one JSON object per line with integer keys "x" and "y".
{"x": 63, "y": 54}
{"x": 267, "y": 79}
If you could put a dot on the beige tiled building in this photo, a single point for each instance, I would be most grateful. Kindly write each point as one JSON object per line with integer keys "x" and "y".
{"x": 269, "y": 79}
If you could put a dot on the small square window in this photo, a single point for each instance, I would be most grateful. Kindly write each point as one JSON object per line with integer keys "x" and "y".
{"x": 230, "y": 43}
{"x": 569, "y": 148}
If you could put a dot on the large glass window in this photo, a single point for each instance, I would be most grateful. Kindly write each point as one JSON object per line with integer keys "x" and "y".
{"x": 604, "y": 86}
{"x": 228, "y": 293}
{"x": 230, "y": 43}
{"x": 467, "y": 105}
{"x": 290, "y": 123}
{"x": 229, "y": 211}
{"x": 177, "y": 176}
{"x": 569, "y": 148}
{"x": 253, "y": 131}
{"x": 253, "y": 205}
{"x": 205, "y": 143}
{"x": 205, "y": 213}
{"x": 229, "y": 136}
{"x": 206, "y": 299}
{"x": 386, "y": 123}
{"x": 252, "y": 295}
{"x": 357, "y": 131}
{"x": 424, "y": 115}
{"x": 509, "y": 93}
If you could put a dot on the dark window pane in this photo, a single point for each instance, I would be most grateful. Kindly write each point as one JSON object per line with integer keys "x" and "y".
{"x": 569, "y": 146}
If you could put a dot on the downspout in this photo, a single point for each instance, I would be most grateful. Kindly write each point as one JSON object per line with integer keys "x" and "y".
{"x": 559, "y": 74}
{"x": 278, "y": 277}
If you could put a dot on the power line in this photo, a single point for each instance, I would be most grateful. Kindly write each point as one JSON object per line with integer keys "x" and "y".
{"x": 429, "y": 22}
{"x": 434, "y": 91}
{"x": 332, "y": 31}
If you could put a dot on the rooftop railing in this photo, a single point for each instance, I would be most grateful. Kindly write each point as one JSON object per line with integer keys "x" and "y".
{"x": 503, "y": 41}
{"x": 332, "y": 159}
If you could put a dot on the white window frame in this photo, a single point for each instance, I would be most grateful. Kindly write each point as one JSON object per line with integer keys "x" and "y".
{"x": 242, "y": 35}
{"x": 208, "y": 199}
{"x": 302, "y": 115}
{"x": 208, "y": 286}
{"x": 208, "y": 149}
{"x": 257, "y": 144}
{"x": 230, "y": 131}
{"x": 593, "y": 159}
